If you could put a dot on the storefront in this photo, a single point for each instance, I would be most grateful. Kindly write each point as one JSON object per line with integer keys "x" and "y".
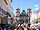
{"x": 3, "y": 16}
{"x": 9, "y": 20}
{"x": 4, "y": 20}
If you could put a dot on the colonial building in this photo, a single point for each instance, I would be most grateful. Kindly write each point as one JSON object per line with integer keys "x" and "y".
{"x": 25, "y": 17}
{"x": 29, "y": 13}
{"x": 5, "y": 10}
{"x": 35, "y": 16}
{"x": 29, "y": 16}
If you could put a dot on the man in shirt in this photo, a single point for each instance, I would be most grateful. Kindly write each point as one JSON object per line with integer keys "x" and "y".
{"x": 36, "y": 25}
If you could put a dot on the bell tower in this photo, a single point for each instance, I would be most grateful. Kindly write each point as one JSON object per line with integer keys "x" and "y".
{"x": 17, "y": 13}
{"x": 29, "y": 15}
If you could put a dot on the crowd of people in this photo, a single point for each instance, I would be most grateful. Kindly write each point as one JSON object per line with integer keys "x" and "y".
{"x": 22, "y": 26}
{"x": 35, "y": 26}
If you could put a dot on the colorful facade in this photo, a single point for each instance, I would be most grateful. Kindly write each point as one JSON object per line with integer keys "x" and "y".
{"x": 36, "y": 16}
{"x": 5, "y": 10}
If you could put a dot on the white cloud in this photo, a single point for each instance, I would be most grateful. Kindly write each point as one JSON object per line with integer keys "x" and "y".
{"x": 36, "y": 5}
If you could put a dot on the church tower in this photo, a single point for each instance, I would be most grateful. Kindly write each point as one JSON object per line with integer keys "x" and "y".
{"x": 29, "y": 15}
{"x": 17, "y": 13}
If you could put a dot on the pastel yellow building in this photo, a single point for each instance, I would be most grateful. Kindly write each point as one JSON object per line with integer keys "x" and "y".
{"x": 3, "y": 9}
{"x": 36, "y": 15}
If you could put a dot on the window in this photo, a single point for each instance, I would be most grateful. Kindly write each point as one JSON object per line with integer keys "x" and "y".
{"x": 6, "y": 2}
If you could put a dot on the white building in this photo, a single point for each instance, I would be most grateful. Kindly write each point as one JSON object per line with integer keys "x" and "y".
{"x": 10, "y": 9}
{"x": 35, "y": 15}
{"x": 6, "y": 5}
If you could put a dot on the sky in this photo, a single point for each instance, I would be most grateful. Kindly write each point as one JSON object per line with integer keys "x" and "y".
{"x": 24, "y": 4}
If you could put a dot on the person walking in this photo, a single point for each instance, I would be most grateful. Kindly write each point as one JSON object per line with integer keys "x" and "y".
{"x": 5, "y": 27}
{"x": 32, "y": 26}
{"x": 0, "y": 27}
{"x": 38, "y": 26}
{"x": 26, "y": 25}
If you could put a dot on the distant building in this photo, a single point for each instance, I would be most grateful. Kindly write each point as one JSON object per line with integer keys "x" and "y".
{"x": 36, "y": 16}
{"x": 24, "y": 17}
